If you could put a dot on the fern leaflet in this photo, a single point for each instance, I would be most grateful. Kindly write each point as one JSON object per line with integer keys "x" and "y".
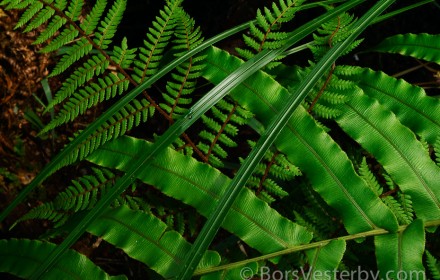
{"x": 158, "y": 38}
{"x": 81, "y": 195}
{"x": 265, "y": 33}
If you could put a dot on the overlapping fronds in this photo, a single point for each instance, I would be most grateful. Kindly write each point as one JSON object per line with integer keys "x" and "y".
{"x": 158, "y": 38}
{"x": 401, "y": 253}
{"x": 409, "y": 103}
{"x": 315, "y": 214}
{"x": 266, "y": 33}
{"x": 399, "y": 203}
{"x": 93, "y": 94}
{"x": 275, "y": 166}
{"x": 200, "y": 186}
{"x": 184, "y": 79}
{"x": 147, "y": 239}
{"x": 380, "y": 133}
{"x": 129, "y": 116}
{"x": 222, "y": 126}
{"x": 331, "y": 33}
{"x": 307, "y": 146}
{"x": 81, "y": 195}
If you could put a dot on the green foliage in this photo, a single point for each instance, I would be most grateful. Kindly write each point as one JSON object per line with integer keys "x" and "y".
{"x": 360, "y": 155}
{"x": 265, "y": 32}
{"x": 14, "y": 251}
{"x": 433, "y": 266}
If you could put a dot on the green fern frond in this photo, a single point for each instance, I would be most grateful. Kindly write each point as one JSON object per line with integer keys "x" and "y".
{"x": 94, "y": 66}
{"x": 178, "y": 90}
{"x": 92, "y": 19}
{"x": 123, "y": 56}
{"x": 90, "y": 96}
{"x": 220, "y": 130}
{"x": 41, "y": 17}
{"x": 29, "y": 14}
{"x": 437, "y": 150}
{"x": 265, "y": 34}
{"x": 329, "y": 93}
{"x": 326, "y": 112}
{"x": 73, "y": 54}
{"x": 273, "y": 168}
{"x": 397, "y": 209}
{"x": 433, "y": 266}
{"x": 332, "y": 32}
{"x": 407, "y": 205}
{"x": 110, "y": 24}
{"x": 158, "y": 37}
{"x": 81, "y": 195}
{"x": 366, "y": 174}
{"x": 129, "y": 116}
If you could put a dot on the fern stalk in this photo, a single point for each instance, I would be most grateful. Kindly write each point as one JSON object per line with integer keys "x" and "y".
{"x": 313, "y": 245}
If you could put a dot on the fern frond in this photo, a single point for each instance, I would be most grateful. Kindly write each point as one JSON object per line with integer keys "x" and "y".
{"x": 123, "y": 56}
{"x": 110, "y": 24}
{"x": 329, "y": 93}
{"x": 81, "y": 195}
{"x": 265, "y": 34}
{"x": 73, "y": 54}
{"x": 326, "y": 112}
{"x": 29, "y": 14}
{"x": 433, "y": 266}
{"x": 90, "y": 96}
{"x": 220, "y": 130}
{"x": 274, "y": 167}
{"x": 92, "y": 19}
{"x": 366, "y": 174}
{"x": 332, "y": 32}
{"x": 437, "y": 150}
{"x": 158, "y": 37}
{"x": 67, "y": 35}
{"x": 74, "y": 9}
{"x": 397, "y": 209}
{"x": 178, "y": 90}
{"x": 129, "y": 116}
{"x": 94, "y": 66}
{"x": 42, "y": 17}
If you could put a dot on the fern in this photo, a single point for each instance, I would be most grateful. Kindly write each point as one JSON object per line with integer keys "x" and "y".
{"x": 401, "y": 205}
{"x": 367, "y": 175}
{"x": 184, "y": 82}
{"x": 81, "y": 195}
{"x": 437, "y": 150}
{"x": 149, "y": 57}
{"x": 220, "y": 130}
{"x": 433, "y": 266}
{"x": 265, "y": 33}
{"x": 274, "y": 167}
{"x": 332, "y": 33}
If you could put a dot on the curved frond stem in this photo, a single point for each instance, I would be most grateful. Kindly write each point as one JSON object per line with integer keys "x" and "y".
{"x": 225, "y": 123}
{"x": 319, "y": 244}
{"x": 322, "y": 89}
{"x": 273, "y": 24}
{"x": 182, "y": 86}
{"x": 266, "y": 171}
